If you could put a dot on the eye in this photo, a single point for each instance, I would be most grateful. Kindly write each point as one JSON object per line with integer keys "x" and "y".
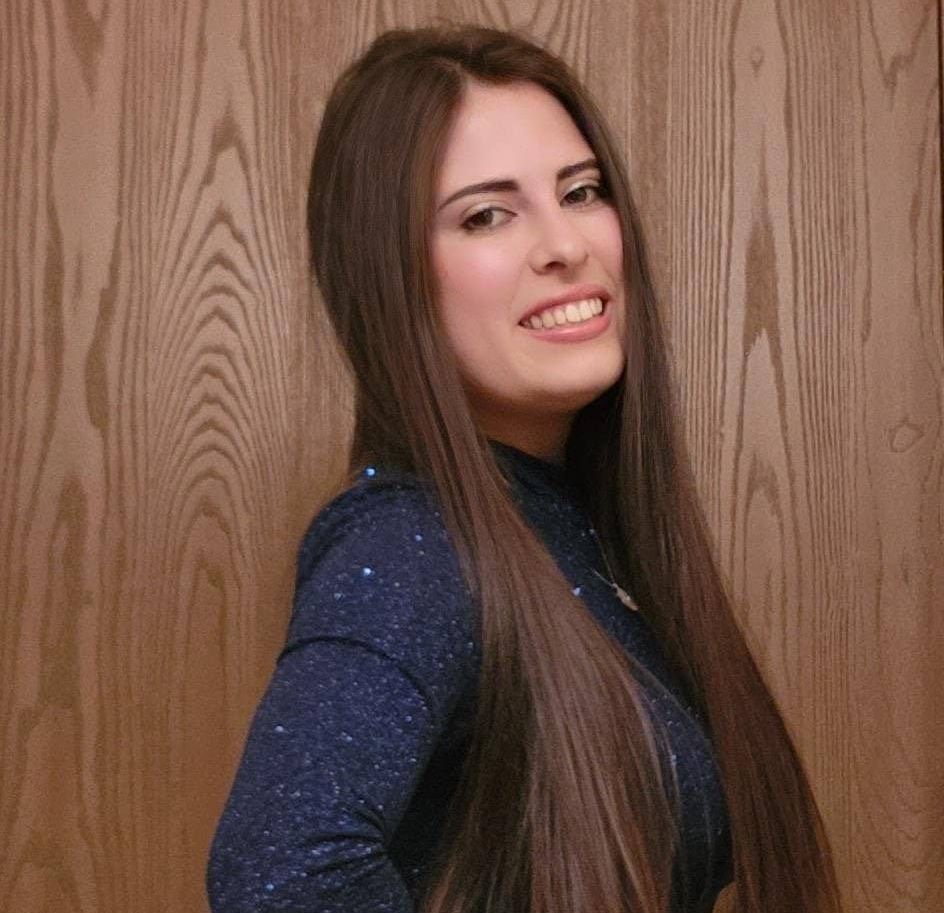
{"x": 471, "y": 226}
{"x": 598, "y": 191}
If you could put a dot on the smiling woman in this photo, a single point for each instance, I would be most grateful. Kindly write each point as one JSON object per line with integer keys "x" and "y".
{"x": 466, "y": 717}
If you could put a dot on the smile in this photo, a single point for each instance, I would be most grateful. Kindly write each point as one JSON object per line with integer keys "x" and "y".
{"x": 576, "y": 326}
{"x": 576, "y": 312}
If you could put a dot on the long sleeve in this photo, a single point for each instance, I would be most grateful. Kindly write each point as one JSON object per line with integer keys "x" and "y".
{"x": 378, "y": 653}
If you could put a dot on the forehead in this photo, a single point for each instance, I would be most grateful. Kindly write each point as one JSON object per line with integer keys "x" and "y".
{"x": 509, "y": 131}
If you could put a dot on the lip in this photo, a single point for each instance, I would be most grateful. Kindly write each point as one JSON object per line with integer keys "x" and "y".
{"x": 577, "y": 293}
{"x": 575, "y": 332}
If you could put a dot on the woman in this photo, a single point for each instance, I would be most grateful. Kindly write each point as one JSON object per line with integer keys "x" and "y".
{"x": 513, "y": 679}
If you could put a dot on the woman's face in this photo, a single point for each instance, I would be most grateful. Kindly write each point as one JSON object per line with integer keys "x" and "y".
{"x": 501, "y": 254}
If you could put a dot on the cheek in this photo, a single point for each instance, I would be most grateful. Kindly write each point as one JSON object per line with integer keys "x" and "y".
{"x": 476, "y": 295}
{"x": 476, "y": 279}
{"x": 609, "y": 242}
{"x": 471, "y": 268}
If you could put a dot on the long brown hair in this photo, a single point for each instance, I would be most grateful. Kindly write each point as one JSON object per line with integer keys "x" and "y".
{"x": 561, "y": 807}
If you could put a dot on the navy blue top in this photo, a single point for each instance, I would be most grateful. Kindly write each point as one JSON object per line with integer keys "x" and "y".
{"x": 357, "y": 743}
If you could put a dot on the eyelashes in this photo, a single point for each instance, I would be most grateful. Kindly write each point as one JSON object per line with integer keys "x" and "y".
{"x": 600, "y": 192}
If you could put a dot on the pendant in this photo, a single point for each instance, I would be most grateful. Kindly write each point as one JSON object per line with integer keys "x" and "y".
{"x": 625, "y": 598}
{"x": 621, "y": 594}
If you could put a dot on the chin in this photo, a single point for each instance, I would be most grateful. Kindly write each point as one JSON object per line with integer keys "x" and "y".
{"x": 603, "y": 377}
{"x": 572, "y": 400}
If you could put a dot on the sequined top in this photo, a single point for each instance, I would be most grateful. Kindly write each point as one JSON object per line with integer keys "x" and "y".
{"x": 357, "y": 742}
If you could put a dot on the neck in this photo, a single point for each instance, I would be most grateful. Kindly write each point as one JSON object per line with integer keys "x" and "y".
{"x": 548, "y": 447}
{"x": 543, "y": 435}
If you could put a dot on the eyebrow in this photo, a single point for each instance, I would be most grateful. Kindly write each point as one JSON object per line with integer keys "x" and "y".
{"x": 511, "y": 185}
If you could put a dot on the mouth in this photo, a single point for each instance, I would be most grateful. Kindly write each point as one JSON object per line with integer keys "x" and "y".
{"x": 573, "y": 313}
{"x": 571, "y": 322}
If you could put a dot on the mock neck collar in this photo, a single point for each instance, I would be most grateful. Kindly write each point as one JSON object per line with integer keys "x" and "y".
{"x": 528, "y": 467}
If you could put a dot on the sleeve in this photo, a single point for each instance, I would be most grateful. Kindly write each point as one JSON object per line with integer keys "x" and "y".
{"x": 379, "y": 651}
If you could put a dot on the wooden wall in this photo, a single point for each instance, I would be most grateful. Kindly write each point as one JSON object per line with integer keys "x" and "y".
{"x": 171, "y": 410}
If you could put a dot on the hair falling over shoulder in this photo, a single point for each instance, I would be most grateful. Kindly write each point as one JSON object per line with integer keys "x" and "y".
{"x": 561, "y": 806}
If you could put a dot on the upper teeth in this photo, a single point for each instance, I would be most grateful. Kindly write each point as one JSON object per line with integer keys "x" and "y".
{"x": 574, "y": 312}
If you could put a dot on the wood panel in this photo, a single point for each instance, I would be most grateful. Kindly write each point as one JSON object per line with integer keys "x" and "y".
{"x": 802, "y": 268}
{"x": 161, "y": 388}
{"x": 172, "y": 409}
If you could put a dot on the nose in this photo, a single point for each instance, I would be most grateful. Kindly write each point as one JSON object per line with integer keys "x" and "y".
{"x": 559, "y": 243}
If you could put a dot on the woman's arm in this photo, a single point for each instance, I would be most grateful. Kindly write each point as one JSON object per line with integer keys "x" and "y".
{"x": 378, "y": 652}
{"x": 333, "y": 756}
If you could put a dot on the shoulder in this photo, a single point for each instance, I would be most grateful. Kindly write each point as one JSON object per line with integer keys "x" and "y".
{"x": 378, "y": 510}
{"x": 377, "y": 567}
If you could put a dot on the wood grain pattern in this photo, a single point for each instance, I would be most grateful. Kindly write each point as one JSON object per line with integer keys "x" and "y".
{"x": 172, "y": 408}
{"x": 798, "y": 242}
{"x": 153, "y": 335}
